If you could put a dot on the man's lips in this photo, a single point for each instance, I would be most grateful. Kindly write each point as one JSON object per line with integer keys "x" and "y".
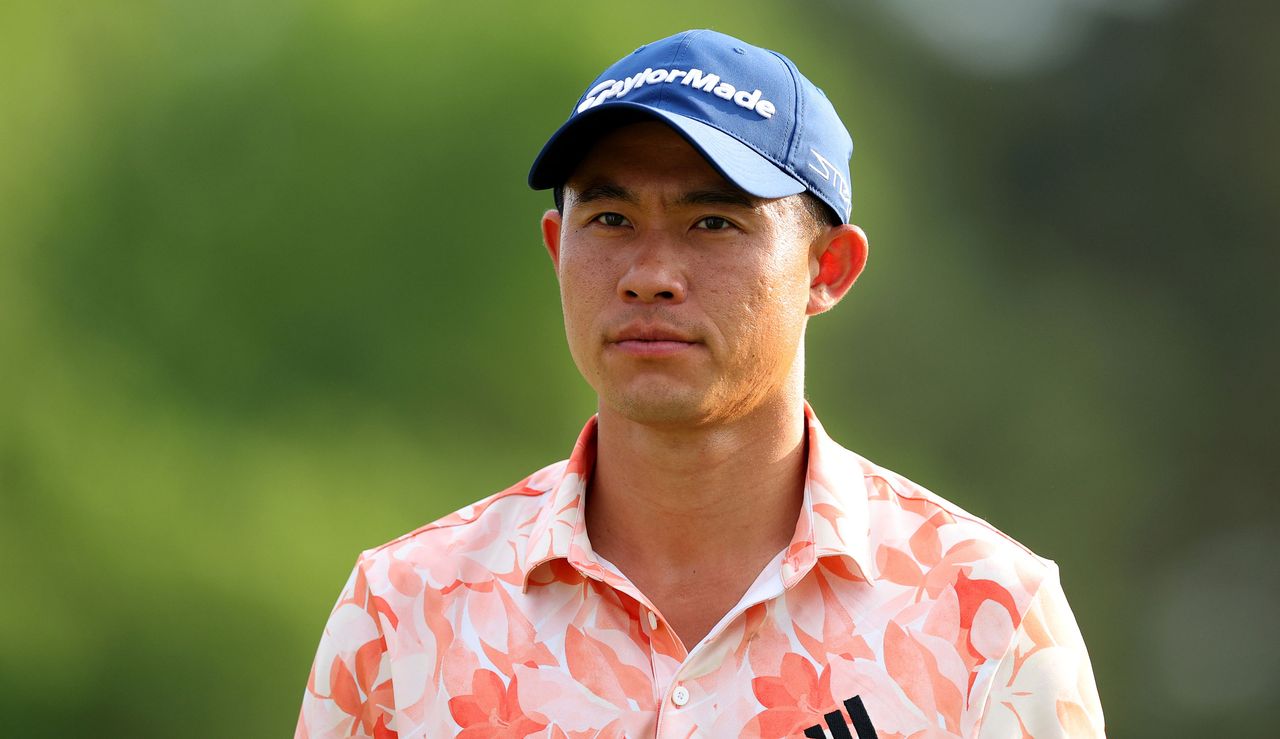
{"x": 651, "y": 340}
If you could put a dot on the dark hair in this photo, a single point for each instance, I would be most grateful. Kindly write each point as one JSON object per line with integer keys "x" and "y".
{"x": 817, "y": 212}
{"x": 821, "y": 214}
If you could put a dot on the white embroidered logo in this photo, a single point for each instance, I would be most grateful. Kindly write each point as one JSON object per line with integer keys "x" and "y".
{"x": 696, "y": 78}
{"x": 831, "y": 174}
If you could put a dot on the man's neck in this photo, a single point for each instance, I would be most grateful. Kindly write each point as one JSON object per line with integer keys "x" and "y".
{"x": 692, "y": 515}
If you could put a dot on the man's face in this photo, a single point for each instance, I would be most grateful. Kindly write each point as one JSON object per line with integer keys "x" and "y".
{"x": 685, "y": 300}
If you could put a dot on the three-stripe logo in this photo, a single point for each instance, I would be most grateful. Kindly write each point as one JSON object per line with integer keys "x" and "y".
{"x": 839, "y": 729}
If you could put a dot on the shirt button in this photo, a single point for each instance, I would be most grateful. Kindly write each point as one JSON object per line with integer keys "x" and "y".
{"x": 653, "y": 620}
{"x": 680, "y": 695}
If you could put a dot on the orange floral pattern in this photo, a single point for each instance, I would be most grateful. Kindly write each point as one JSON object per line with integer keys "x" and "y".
{"x": 500, "y": 621}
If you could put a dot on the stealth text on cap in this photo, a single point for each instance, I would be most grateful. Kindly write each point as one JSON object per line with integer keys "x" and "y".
{"x": 695, "y": 78}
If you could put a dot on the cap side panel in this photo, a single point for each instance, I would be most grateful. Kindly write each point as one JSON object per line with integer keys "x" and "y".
{"x": 797, "y": 129}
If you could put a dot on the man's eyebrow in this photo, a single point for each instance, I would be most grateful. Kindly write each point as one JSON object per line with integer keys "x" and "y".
{"x": 604, "y": 191}
{"x": 719, "y": 196}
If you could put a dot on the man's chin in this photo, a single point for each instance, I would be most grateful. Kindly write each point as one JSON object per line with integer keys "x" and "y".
{"x": 666, "y": 407}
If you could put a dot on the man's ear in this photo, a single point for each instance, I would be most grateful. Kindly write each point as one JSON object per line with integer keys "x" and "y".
{"x": 551, "y": 221}
{"x": 839, "y": 256}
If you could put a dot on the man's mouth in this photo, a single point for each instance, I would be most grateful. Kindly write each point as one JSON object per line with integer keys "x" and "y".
{"x": 648, "y": 339}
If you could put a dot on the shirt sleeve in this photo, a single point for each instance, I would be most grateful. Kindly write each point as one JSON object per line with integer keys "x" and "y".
{"x": 1043, "y": 686}
{"x": 349, "y": 691}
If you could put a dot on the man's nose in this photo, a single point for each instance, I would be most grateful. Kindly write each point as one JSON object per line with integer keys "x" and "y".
{"x": 654, "y": 275}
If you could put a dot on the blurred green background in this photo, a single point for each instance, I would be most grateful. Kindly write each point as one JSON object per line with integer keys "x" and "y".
{"x": 272, "y": 292}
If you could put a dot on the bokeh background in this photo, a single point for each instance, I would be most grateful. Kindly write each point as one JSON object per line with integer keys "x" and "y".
{"x": 271, "y": 292}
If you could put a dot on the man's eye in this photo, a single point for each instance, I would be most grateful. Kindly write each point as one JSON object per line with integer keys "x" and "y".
{"x": 714, "y": 223}
{"x": 612, "y": 219}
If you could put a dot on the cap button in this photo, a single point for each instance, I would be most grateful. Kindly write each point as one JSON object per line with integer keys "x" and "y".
{"x": 638, "y": 50}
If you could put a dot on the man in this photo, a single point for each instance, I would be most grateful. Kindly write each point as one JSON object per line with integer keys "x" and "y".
{"x": 707, "y": 562}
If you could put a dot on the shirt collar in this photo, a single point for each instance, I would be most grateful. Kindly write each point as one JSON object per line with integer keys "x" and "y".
{"x": 834, "y": 517}
{"x": 560, "y": 529}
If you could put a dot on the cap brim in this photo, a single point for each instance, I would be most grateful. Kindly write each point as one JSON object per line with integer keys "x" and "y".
{"x": 745, "y": 167}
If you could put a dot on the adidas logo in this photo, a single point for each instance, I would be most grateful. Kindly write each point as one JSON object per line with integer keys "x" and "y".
{"x": 858, "y": 718}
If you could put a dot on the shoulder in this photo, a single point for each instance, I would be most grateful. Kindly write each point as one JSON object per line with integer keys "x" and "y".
{"x": 474, "y": 544}
{"x": 920, "y": 538}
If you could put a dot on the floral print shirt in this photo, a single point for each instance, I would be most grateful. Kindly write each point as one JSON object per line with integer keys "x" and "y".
{"x": 892, "y": 613}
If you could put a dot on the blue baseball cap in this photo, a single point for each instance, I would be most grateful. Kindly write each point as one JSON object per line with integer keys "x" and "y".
{"x": 748, "y": 110}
